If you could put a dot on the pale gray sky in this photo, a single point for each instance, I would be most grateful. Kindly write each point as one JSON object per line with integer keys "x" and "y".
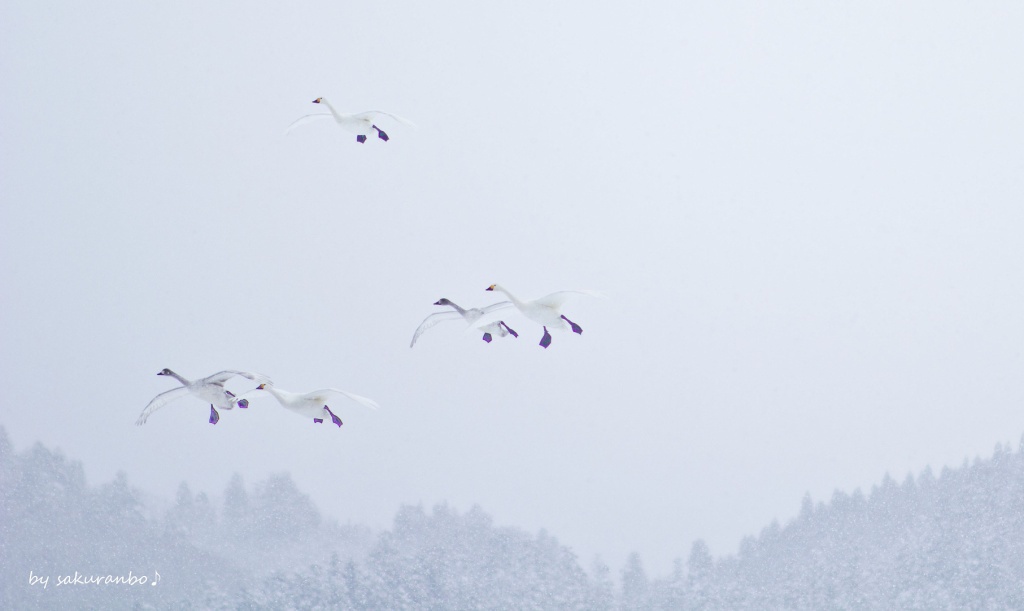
{"x": 807, "y": 219}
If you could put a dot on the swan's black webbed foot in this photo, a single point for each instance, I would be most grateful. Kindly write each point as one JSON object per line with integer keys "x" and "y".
{"x": 546, "y": 340}
{"x": 318, "y": 420}
{"x": 380, "y": 133}
{"x": 575, "y": 328}
{"x": 336, "y": 420}
{"x": 508, "y": 328}
{"x": 487, "y": 337}
{"x": 360, "y": 138}
{"x": 214, "y": 416}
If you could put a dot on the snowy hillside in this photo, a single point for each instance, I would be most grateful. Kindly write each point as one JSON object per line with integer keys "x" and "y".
{"x": 950, "y": 541}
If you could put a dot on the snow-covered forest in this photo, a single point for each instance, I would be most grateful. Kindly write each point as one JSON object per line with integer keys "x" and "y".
{"x": 946, "y": 541}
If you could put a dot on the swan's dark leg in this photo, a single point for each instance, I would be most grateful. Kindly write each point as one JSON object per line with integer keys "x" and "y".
{"x": 360, "y": 138}
{"x": 380, "y": 133}
{"x": 243, "y": 403}
{"x": 546, "y": 340}
{"x": 318, "y": 420}
{"x": 575, "y": 328}
{"x": 487, "y": 337}
{"x": 214, "y": 416}
{"x": 334, "y": 419}
{"x": 508, "y": 328}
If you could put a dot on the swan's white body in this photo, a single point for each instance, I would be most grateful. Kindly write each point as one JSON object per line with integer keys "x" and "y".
{"x": 312, "y": 404}
{"x": 209, "y": 390}
{"x": 546, "y": 310}
{"x": 472, "y": 318}
{"x": 360, "y": 123}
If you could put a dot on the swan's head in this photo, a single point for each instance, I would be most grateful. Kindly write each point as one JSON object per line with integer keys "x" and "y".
{"x": 318, "y": 100}
{"x": 165, "y": 372}
{"x": 443, "y": 302}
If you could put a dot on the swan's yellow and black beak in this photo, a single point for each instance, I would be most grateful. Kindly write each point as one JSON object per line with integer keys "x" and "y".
{"x": 261, "y": 387}
{"x": 317, "y": 101}
{"x": 490, "y": 288}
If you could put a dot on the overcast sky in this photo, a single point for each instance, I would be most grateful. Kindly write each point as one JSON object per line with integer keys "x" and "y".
{"x": 806, "y": 217}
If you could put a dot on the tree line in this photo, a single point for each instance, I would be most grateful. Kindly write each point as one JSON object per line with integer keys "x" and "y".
{"x": 949, "y": 541}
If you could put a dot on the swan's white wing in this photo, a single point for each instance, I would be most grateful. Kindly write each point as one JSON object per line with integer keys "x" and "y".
{"x": 489, "y": 316}
{"x": 321, "y": 394}
{"x": 501, "y": 305}
{"x": 555, "y": 300}
{"x": 370, "y": 114}
{"x": 223, "y": 376}
{"x": 306, "y": 119}
{"x": 159, "y": 401}
{"x": 432, "y": 320}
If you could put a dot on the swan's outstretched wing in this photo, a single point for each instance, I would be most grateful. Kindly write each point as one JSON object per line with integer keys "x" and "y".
{"x": 159, "y": 401}
{"x": 501, "y": 305}
{"x": 322, "y": 395}
{"x": 306, "y": 119}
{"x": 430, "y": 321}
{"x": 223, "y": 376}
{"x": 370, "y": 114}
{"x": 555, "y": 300}
{"x": 487, "y": 316}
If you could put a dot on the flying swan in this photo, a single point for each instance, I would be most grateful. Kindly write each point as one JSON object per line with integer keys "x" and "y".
{"x": 470, "y": 316}
{"x": 209, "y": 390}
{"x": 359, "y": 123}
{"x": 547, "y": 310}
{"x": 312, "y": 404}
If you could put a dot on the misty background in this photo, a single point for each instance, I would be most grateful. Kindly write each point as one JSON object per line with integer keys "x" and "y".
{"x": 806, "y": 218}
{"x": 933, "y": 541}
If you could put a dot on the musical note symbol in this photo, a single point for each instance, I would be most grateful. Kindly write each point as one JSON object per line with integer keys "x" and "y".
{"x": 157, "y": 578}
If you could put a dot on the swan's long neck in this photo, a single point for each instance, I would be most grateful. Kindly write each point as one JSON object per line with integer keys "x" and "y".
{"x": 331, "y": 108}
{"x": 177, "y": 377}
{"x": 515, "y": 300}
{"x": 457, "y": 308}
{"x": 280, "y": 395}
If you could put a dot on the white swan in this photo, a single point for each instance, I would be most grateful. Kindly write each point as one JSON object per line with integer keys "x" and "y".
{"x": 360, "y": 123}
{"x": 471, "y": 316}
{"x": 547, "y": 310}
{"x": 312, "y": 404}
{"x": 209, "y": 390}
